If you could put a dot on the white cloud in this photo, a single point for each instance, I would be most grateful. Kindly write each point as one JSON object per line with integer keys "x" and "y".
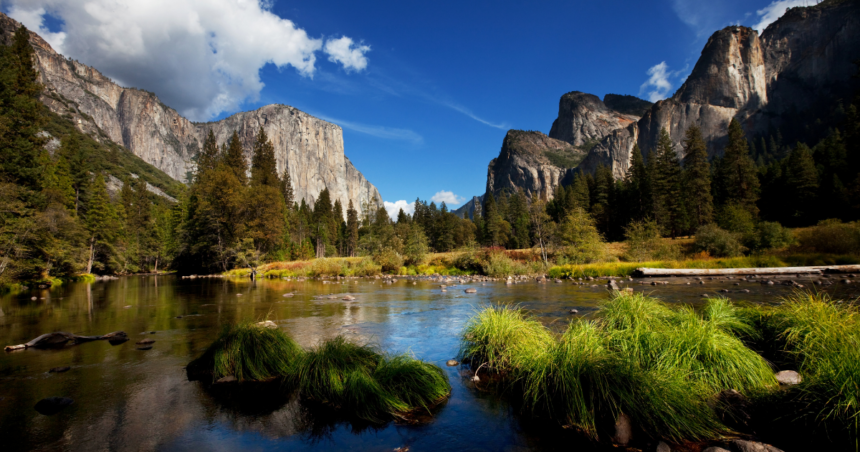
{"x": 34, "y": 21}
{"x": 657, "y": 86}
{"x": 202, "y": 57}
{"x": 448, "y": 197}
{"x": 393, "y": 208}
{"x": 770, "y": 13}
{"x": 347, "y": 53}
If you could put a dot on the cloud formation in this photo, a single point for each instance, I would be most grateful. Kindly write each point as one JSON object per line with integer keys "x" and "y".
{"x": 347, "y": 53}
{"x": 448, "y": 197}
{"x": 202, "y": 58}
{"x": 389, "y": 133}
{"x": 393, "y": 208}
{"x": 657, "y": 87}
{"x": 770, "y": 13}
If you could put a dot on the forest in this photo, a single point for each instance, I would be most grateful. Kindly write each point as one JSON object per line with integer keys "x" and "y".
{"x": 63, "y": 214}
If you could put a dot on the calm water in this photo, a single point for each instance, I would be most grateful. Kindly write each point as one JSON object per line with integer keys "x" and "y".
{"x": 126, "y": 399}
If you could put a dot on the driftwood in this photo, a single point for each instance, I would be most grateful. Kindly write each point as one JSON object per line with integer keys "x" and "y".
{"x": 817, "y": 270}
{"x": 60, "y": 338}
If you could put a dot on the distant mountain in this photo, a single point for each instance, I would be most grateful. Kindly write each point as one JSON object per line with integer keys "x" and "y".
{"x": 310, "y": 149}
{"x": 785, "y": 79}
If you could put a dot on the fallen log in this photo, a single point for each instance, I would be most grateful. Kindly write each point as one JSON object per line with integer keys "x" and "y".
{"x": 61, "y": 338}
{"x": 815, "y": 270}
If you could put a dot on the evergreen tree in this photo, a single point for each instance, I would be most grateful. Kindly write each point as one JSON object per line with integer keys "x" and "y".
{"x": 352, "y": 229}
{"x": 666, "y": 186}
{"x": 234, "y": 158}
{"x": 320, "y": 228}
{"x": 737, "y": 181}
{"x": 101, "y": 220}
{"x": 208, "y": 157}
{"x": 264, "y": 170}
{"x": 802, "y": 180}
{"x": 637, "y": 187}
{"x": 79, "y": 167}
{"x": 697, "y": 179}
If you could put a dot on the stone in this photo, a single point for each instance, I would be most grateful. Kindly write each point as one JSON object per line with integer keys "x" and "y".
{"x": 662, "y": 447}
{"x": 58, "y": 370}
{"x": 288, "y": 295}
{"x": 348, "y": 298}
{"x": 788, "y": 378}
{"x": 452, "y": 362}
{"x": 52, "y": 405}
{"x": 751, "y": 446}
{"x": 715, "y": 449}
{"x": 227, "y": 379}
{"x": 471, "y": 290}
{"x": 623, "y": 430}
{"x": 574, "y": 311}
{"x": 145, "y": 342}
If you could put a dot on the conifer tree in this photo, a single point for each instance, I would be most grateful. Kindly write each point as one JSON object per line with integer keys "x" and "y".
{"x": 666, "y": 186}
{"x": 234, "y": 158}
{"x": 637, "y": 187}
{"x": 802, "y": 179}
{"x": 320, "y": 228}
{"x": 352, "y": 229}
{"x": 737, "y": 181}
{"x": 581, "y": 193}
{"x": 266, "y": 209}
{"x": 208, "y": 157}
{"x": 264, "y": 170}
{"x": 697, "y": 178}
{"x": 79, "y": 167}
{"x": 101, "y": 220}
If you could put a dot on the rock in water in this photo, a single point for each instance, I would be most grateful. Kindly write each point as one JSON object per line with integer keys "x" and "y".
{"x": 663, "y": 447}
{"x": 52, "y": 405}
{"x": 471, "y": 290}
{"x": 144, "y": 348}
{"x": 623, "y": 430}
{"x": 452, "y": 362}
{"x": 59, "y": 369}
{"x": 145, "y": 342}
{"x": 268, "y": 324}
{"x": 227, "y": 379}
{"x": 788, "y": 378}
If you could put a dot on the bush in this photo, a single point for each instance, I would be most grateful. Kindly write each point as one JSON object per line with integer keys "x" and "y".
{"x": 389, "y": 260}
{"x": 769, "y": 235}
{"x": 717, "y": 242}
{"x": 735, "y": 218}
{"x": 498, "y": 264}
{"x": 831, "y": 236}
{"x": 644, "y": 243}
{"x": 581, "y": 241}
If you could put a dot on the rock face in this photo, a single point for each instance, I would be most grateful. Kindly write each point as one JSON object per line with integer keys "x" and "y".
{"x": 532, "y": 162}
{"x": 802, "y": 62}
{"x": 468, "y": 210}
{"x": 309, "y": 148}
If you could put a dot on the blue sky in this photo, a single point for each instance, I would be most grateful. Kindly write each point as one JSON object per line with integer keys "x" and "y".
{"x": 425, "y": 91}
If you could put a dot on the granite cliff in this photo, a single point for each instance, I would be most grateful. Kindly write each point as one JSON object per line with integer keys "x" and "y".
{"x": 799, "y": 67}
{"x": 310, "y": 149}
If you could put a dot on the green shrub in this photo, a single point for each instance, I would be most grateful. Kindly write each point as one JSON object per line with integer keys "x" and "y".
{"x": 581, "y": 242}
{"x": 389, "y": 260}
{"x": 644, "y": 243}
{"x": 769, "y": 235}
{"x": 831, "y": 236}
{"x": 717, "y": 242}
{"x": 498, "y": 264}
{"x": 735, "y": 218}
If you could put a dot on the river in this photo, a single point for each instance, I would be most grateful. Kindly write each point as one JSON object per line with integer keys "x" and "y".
{"x": 127, "y": 399}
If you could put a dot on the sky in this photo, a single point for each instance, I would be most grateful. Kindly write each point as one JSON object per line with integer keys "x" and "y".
{"x": 424, "y": 91}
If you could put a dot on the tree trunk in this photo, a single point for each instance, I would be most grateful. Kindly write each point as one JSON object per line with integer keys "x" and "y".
{"x": 746, "y": 271}
{"x": 156, "y": 265}
{"x": 92, "y": 254}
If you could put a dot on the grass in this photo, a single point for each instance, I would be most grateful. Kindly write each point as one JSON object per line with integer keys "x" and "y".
{"x": 251, "y": 352}
{"x": 627, "y": 268}
{"x": 357, "y": 378}
{"x": 661, "y": 366}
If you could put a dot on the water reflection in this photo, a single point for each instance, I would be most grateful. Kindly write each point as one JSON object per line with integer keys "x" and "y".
{"x": 126, "y": 399}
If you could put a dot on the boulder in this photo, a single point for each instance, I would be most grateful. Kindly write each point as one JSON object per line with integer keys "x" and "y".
{"x": 623, "y": 430}
{"x": 788, "y": 378}
{"x": 751, "y": 446}
{"x": 663, "y": 447}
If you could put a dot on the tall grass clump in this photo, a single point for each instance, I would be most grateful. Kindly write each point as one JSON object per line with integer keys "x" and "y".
{"x": 250, "y": 352}
{"x": 823, "y": 338}
{"x": 368, "y": 384}
{"x": 497, "y": 335}
{"x": 661, "y": 366}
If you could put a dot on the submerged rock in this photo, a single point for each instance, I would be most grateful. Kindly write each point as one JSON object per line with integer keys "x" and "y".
{"x": 52, "y": 405}
{"x": 60, "y": 369}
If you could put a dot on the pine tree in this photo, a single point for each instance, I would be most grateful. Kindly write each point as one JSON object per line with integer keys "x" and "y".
{"x": 21, "y": 109}
{"x": 234, "y": 158}
{"x": 101, "y": 220}
{"x": 581, "y": 193}
{"x": 637, "y": 187}
{"x": 264, "y": 170}
{"x": 802, "y": 179}
{"x": 79, "y": 165}
{"x": 402, "y": 218}
{"x": 208, "y": 157}
{"x": 666, "y": 186}
{"x": 352, "y": 229}
{"x": 737, "y": 181}
{"x": 321, "y": 220}
{"x": 697, "y": 178}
